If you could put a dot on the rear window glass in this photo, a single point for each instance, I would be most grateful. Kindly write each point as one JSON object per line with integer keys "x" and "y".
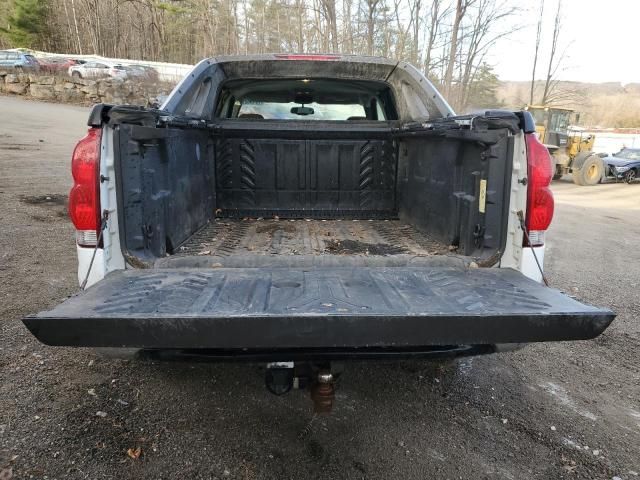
{"x": 306, "y": 99}
{"x": 313, "y": 111}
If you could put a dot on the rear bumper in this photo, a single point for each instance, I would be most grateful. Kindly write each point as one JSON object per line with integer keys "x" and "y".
{"x": 529, "y": 266}
{"x": 300, "y": 355}
{"x": 84, "y": 260}
{"x": 312, "y": 310}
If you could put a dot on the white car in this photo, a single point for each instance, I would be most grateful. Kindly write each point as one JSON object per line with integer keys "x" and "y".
{"x": 97, "y": 69}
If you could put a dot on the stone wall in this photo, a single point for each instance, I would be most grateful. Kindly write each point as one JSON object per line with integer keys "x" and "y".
{"x": 81, "y": 91}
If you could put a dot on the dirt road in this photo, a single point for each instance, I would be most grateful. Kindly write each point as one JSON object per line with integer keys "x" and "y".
{"x": 564, "y": 410}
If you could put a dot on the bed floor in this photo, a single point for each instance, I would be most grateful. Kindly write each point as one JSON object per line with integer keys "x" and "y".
{"x": 225, "y": 237}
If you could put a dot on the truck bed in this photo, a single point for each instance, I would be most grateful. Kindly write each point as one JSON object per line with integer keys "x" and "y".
{"x": 176, "y": 184}
{"x": 365, "y": 242}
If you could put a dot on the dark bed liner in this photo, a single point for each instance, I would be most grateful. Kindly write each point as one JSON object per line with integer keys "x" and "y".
{"x": 371, "y": 242}
{"x": 306, "y": 236}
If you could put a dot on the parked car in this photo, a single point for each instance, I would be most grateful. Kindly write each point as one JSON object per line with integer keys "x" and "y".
{"x": 56, "y": 64}
{"x": 143, "y": 72}
{"x": 18, "y": 61}
{"x": 95, "y": 69}
{"x": 134, "y": 72}
{"x": 624, "y": 165}
{"x": 308, "y": 209}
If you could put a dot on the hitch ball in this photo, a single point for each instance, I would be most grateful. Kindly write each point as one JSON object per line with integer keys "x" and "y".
{"x": 323, "y": 392}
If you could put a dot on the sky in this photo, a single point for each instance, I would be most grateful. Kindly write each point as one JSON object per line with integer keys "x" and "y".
{"x": 602, "y": 39}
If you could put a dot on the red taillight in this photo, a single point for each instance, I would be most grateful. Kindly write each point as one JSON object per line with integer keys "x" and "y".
{"x": 84, "y": 198}
{"x": 539, "y": 197}
{"x": 304, "y": 56}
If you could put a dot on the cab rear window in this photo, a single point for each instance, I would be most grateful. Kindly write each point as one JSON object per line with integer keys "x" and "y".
{"x": 249, "y": 108}
{"x": 306, "y": 99}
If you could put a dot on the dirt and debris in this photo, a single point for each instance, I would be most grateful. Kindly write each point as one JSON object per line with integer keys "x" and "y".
{"x": 217, "y": 420}
{"x": 134, "y": 453}
{"x": 18, "y": 146}
{"x": 355, "y": 247}
{"x": 46, "y": 208}
{"x": 311, "y": 237}
{"x": 47, "y": 199}
{"x": 275, "y": 226}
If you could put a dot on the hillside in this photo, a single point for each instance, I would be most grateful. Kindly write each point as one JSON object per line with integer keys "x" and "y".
{"x": 600, "y": 104}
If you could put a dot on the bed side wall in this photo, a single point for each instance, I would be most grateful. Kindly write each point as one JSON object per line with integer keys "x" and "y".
{"x": 456, "y": 189}
{"x": 167, "y": 184}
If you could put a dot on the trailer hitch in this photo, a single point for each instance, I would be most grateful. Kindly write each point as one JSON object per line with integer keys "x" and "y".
{"x": 279, "y": 377}
{"x": 282, "y": 377}
{"x": 323, "y": 392}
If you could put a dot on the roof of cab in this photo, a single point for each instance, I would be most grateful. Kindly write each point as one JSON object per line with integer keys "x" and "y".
{"x": 302, "y": 65}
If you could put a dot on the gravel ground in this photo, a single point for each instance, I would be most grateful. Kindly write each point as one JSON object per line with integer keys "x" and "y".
{"x": 562, "y": 410}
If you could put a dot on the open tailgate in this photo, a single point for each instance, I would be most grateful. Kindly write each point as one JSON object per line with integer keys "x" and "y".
{"x": 316, "y": 308}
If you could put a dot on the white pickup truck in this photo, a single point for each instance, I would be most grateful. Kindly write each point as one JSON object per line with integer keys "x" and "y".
{"x": 311, "y": 207}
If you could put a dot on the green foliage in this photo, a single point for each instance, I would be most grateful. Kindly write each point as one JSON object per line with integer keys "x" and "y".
{"x": 483, "y": 89}
{"x": 26, "y": 22}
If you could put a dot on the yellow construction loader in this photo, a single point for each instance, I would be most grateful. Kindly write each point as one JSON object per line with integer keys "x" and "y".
{"x": 571, "y": 148}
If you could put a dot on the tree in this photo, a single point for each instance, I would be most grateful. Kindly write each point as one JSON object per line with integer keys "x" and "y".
{"x": 553, "y": 62}
{"x": 26, "y": 23}
{"x": 485, "y": 29}
{"x": 372, "y": 16}
{"x": 482, "y": 90}
{"x": 447, "y": 39}
{"x": 436, "y": 18}
{"x": 416, "y": 6}
{"x": 461, "y": 7}
{"x": 535, "y": 57}
{"x": 5, "y": 10}
{"x": 329, "y": 14}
